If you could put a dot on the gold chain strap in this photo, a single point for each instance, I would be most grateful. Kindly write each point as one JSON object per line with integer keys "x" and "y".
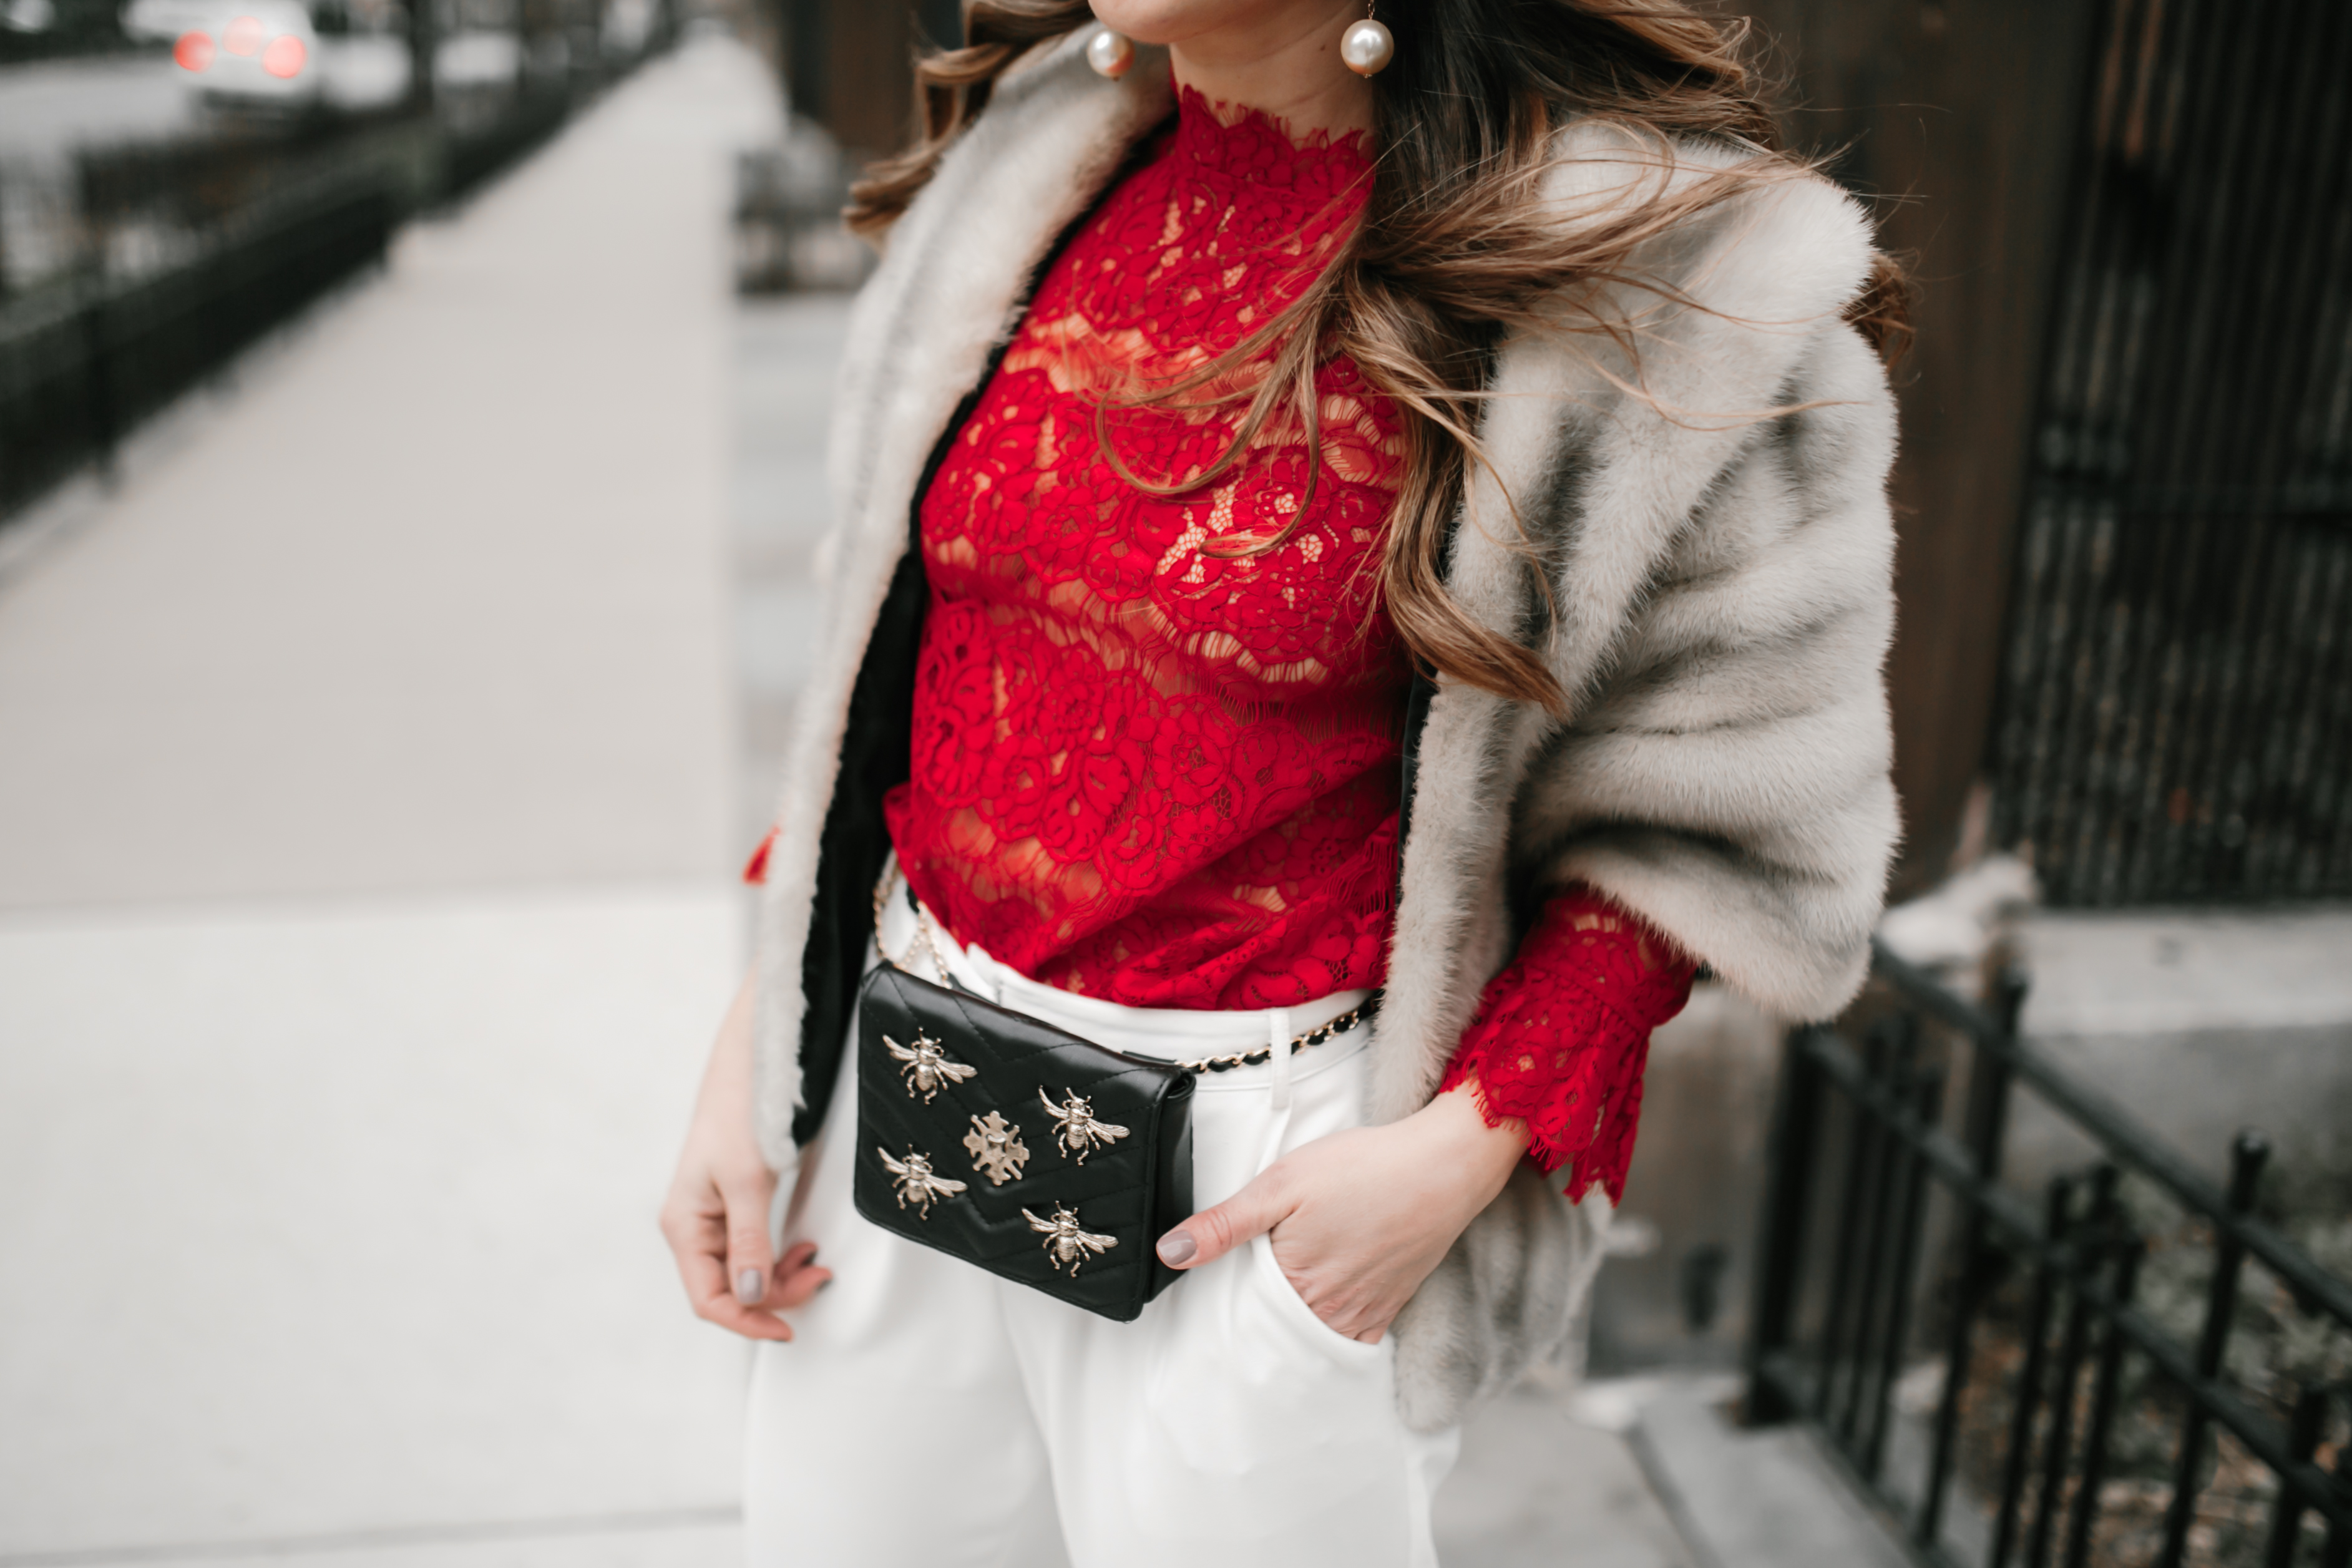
{"x": 1329, "y": 1030}
{"x": 922, "y": 929}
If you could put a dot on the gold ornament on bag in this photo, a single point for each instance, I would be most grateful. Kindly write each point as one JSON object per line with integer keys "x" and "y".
{"x": 996, "y": 1148}
{"x": 927, "y": 1068}
{"x": 914, "y": 1179}
{"x": 1065, "y": 1242}
{"x": 1075, "y": 1128}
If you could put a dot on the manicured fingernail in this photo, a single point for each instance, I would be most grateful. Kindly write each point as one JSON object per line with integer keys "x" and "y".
{"x": 749, "y": 1287}
{"x": 1176, "y": 1248}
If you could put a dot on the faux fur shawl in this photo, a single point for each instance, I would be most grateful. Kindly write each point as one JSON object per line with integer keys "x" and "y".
{"x": 1719, "y": 605}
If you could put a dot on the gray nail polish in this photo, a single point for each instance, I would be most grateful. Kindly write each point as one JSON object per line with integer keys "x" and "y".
{"x": 1176, "y": 1248}
{"x": 749, "y": 1287}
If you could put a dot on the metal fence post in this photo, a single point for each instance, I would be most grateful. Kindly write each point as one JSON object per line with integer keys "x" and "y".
{"x": 2301, "y": 1443}
{"x": 1927, "y": 1101}
{"x": 1848, "y": 1309}
{"x": 2337, "y": 1551}
{"x": 2027, "y": 1400}
{"x": 2103, "y": 1383}
{"x": 2058, "y": 1444}
{"x": 1985, "y": 1131}
{"x": 1786, "y": 1193}
{"x": 99, "y": 377}
{"x": 2248, "y": 1154}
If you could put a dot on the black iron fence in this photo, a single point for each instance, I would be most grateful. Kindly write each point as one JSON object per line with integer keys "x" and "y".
{"x": 2141, "y": 1369}
{"x": 83, "y": 363}
{"x": 2175, "y": 712}
{"x": 472, "y": 160}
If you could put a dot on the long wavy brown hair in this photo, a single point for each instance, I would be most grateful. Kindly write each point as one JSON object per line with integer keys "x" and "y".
{"x": 1453, "y": 250}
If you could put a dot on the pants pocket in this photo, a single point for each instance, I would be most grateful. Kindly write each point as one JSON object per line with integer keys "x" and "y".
{"x": 1265, "y": 1273}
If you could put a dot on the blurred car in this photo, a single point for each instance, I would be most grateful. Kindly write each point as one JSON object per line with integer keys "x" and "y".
{"x": 245, "y": 54}
{"x": 28, "y": 15}
{"x": 163, "y": 21}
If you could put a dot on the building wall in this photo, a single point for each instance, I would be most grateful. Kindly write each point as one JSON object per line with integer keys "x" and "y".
{"x": 849, "y": 64}
{"x": 1956, "y": 119}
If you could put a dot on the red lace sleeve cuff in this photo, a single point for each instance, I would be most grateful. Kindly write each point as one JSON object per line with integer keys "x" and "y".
{"x": 1563, "y": 1035}
{"x": 755, "y": 871}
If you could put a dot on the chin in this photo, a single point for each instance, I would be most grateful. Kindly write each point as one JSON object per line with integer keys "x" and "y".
{"x": 1174, "y": 21}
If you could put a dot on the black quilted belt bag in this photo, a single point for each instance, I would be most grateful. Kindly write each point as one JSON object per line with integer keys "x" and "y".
{"x": 1020, "y": 1148}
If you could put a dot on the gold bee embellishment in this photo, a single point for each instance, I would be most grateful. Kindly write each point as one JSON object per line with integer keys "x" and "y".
{"x": 915, "y": 1181}
{"x": 1066, "y": 1241}
{"x": 926, "y": 1067}
{"x": 1075, "y": 1128}
{"x": 996, "y": 1147}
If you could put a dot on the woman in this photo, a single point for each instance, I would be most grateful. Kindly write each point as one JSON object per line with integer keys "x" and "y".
{"x": 1404, "y": 519}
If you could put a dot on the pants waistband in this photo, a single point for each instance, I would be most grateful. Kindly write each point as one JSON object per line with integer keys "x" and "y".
{"x": 1175, "y": 1033}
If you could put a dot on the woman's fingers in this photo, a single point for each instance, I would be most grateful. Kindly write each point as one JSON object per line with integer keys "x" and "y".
{"x": 1209, "y": 1234}
{"x": 718, "y": 1230}
{"x": 699, "y": 1238}
{"x": 796, "y": 1278}
{"x": 750, "y": 1264}
{"x": 716, "y": 1217}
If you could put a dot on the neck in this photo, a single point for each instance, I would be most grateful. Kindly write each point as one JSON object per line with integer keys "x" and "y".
{"x": 1283, "y": 60}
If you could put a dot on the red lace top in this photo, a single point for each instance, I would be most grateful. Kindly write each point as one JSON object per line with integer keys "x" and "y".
{"x": 1154, "y": 769}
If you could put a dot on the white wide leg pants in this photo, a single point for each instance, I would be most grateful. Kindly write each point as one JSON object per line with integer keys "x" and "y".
{"x": 929, "y": 1415}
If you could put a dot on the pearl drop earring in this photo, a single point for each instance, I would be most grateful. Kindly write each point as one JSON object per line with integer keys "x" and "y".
{"x": 1112, "y": 54}
{"x": 1367, "y": 48}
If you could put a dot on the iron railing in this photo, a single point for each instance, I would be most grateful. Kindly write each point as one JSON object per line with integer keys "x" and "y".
{"x": 2175, "y": 706}
{"x": 474, "y": 158}
{"x": 83, "y": 363}
{"x": 1978, "y": 1363}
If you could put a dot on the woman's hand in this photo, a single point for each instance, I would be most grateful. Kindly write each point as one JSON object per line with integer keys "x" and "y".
{"x": 716, "y": 1217}
{"x": 1360, "y": 1218}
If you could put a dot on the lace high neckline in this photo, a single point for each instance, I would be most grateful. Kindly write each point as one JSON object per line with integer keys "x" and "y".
{"x": 1141, "y": 768}
{"x": 1235, "y": 142}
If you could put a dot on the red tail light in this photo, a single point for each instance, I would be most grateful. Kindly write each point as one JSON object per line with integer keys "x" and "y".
{"x": 284, "y": 56}
{"x": 193, "y": 51}
{"x": 242, "y": 37}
